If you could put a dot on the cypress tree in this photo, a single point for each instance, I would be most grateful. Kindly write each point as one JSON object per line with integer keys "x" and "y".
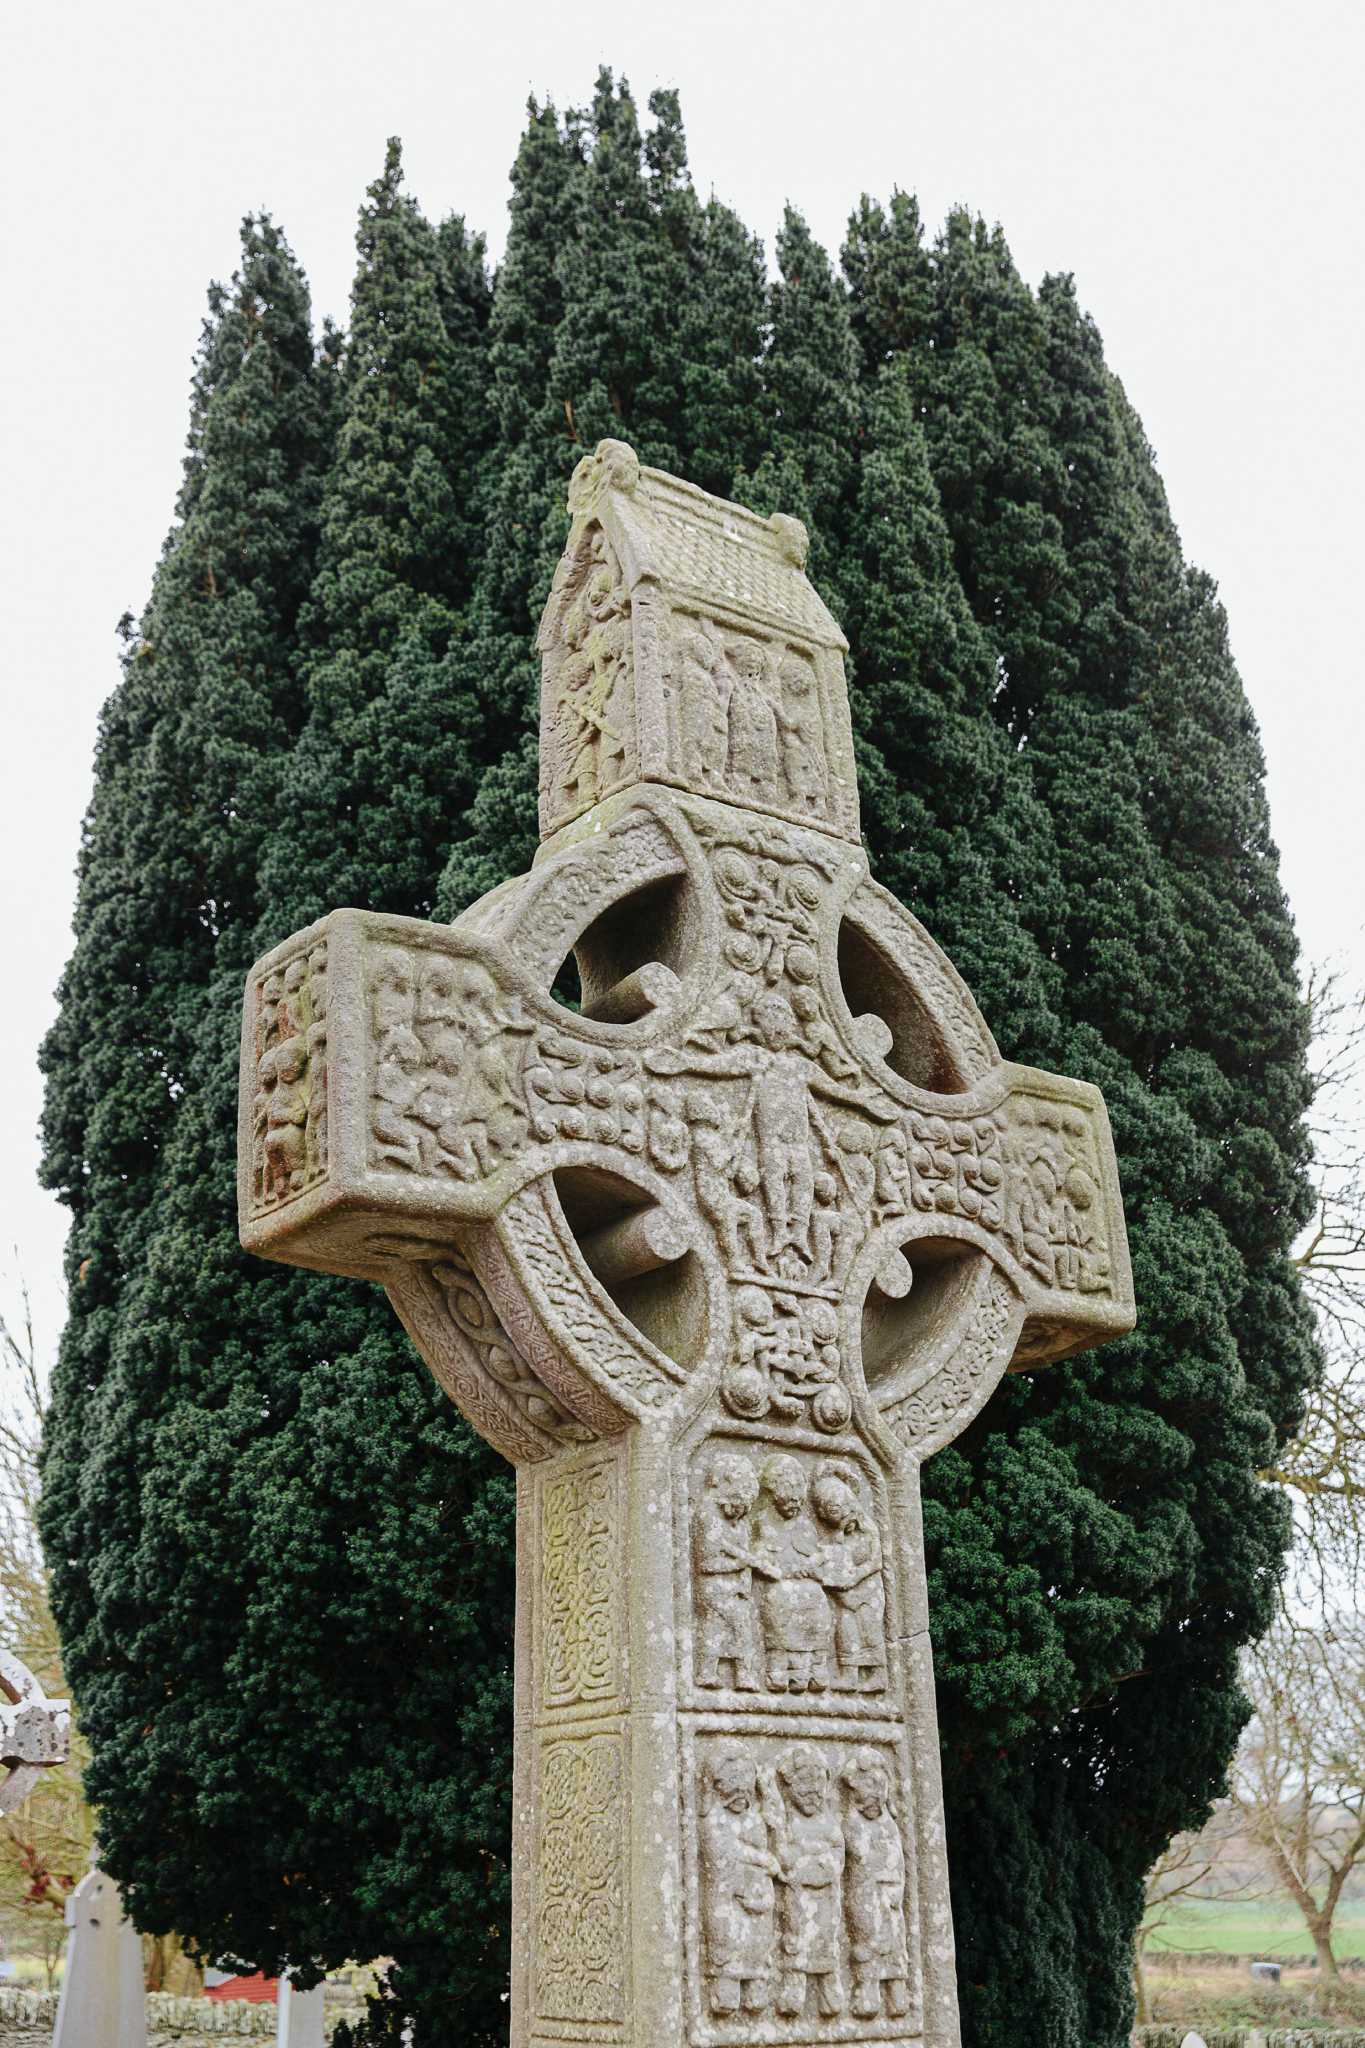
{"x": 625, "y": 309}
{"x": 291, "y": 1504}
{"x": 1099, "y": 1542}
{"x": 188, "y": 756}
{"x": 810, "y": 401}
{"x": 391, "y": 746}
{"x": 293, "y": 1651}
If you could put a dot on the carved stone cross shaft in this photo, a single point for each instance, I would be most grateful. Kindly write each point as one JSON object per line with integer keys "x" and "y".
{"x": 716, "y": 1261}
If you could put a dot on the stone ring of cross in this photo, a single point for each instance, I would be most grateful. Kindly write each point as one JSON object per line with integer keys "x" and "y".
{"x": 716, "y": 1258}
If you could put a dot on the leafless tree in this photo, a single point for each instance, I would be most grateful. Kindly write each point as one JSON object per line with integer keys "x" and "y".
{"x": 1324, "y": 1467}
{"x": 45, "y": 1843}
{"x": 1298, "y": 1779}
{"x": 1201, "y": 1864}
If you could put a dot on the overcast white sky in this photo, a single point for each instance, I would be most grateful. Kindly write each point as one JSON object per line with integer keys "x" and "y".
{"x": 1196, "y": 163}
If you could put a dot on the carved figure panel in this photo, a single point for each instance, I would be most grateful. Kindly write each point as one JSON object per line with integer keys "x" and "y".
{"x": 588, "y": 732}
{"x": 447, "y": 1045}
{"x": 683, "y": 647}
{"x": 745, "y": 719}
{"x": 580, "y": 1540}
{"x": 787, "y": 1572}
{"x": 580, "y": 1968}
{"x": 289, "y": 1110}
{"x": 802, "y": 1889}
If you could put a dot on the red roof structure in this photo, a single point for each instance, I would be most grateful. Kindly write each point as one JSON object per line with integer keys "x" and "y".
{"x": 255, "y": 1989}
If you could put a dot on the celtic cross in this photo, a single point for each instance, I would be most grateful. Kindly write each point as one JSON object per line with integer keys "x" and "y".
{"x": 716, "y": 1259}
{"x": 35, "y": 1732}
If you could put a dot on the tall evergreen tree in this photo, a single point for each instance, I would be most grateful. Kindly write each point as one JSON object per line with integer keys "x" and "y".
{"x": 1109, "y": 1507}
{"x": 188, "y": 759}
{"x": 625, "y": 309}
{"x": 391, "y": 747}
{"x": 259, "y": 1508}
{"x": 276, "y": 1464}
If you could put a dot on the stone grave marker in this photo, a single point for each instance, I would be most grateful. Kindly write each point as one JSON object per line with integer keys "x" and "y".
{"x": 103, "y": 2001}
{"x": 716, "y": 1262}
{"x": 298, "y": 2016}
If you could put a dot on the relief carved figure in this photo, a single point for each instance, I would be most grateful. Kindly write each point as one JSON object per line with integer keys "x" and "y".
{"x": 874, "y": 1889}
{"x": 795, "y": 1613}
{"x": 751, "y": 768}
{"x": 703, "y": 712}
{"x": 595, "y": 704}
{"x": 738, "y": 1889}
{"x": 289, "y": 1107}
{"x": 851, "y": 1572}
{"x": 723, "y": 1568}
{"x": 802, "y": 737}
{"x": 811, "y": 1855}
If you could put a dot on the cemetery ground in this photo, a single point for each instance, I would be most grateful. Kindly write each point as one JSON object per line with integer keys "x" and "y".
{"x": 1198, "y": 1972}
{"x": 1213, "y": 1993}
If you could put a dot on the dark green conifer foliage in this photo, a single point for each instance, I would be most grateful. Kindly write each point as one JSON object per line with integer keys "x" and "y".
{"x": 810, "y": 401}
{"x": 188, "y": 767}
{"x": 625, "y": 309}
{"x": 391, "y": 749}
{"x": 293, "y": 1650}
{"x": 1100, "y": 1543}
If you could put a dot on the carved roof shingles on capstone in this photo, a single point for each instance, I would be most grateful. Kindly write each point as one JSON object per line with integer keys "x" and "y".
{"x": 683, "y": 643}
{"x": 697, "y": 546}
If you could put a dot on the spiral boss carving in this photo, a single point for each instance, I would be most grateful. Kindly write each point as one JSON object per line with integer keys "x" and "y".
{"x": 716, "y": 1262}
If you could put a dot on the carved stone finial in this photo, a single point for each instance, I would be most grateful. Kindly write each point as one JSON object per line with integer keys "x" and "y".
{"x": 682, "y": 644}
{"x": 613, "y": 465}
{"x": 35, "y": 1732}
{"x": 792, "y": 538}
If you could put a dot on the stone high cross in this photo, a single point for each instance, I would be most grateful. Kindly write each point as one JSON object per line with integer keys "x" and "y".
{"x": 35, "y": 1732}
{"x": 716, "y": 1262}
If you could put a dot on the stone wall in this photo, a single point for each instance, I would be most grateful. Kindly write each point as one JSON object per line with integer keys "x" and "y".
{"x": 28, "y": 2017}
{"x": 1249, "y": 2037}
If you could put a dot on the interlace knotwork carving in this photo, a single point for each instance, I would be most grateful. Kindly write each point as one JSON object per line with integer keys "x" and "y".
{"x": 472, "y": 1314}
{"x": 580, "y": 1549}
{"x": 580, "y": 1964}
{"x": 956, "y": 1391}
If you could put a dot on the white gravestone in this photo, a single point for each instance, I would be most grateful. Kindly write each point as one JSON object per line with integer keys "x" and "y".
{"x": 103, "y": 1999}
{"x": 299, "y": 2016}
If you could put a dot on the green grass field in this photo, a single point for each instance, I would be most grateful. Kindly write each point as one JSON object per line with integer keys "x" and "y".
{"x": 1245, "y": 1927}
